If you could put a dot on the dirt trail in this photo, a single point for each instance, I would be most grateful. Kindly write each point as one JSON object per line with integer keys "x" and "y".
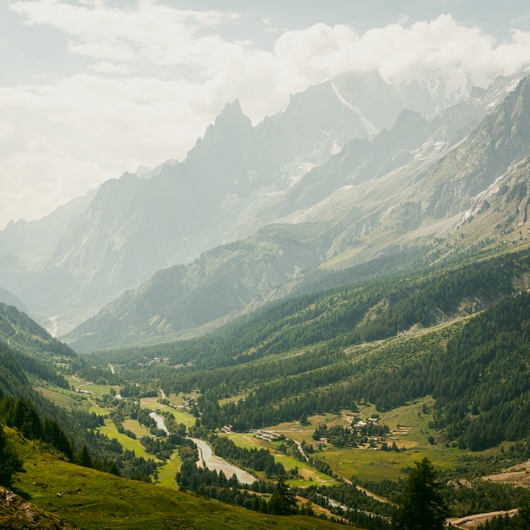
{"x": 518, "y": 475}
{"x": 473, "y": 520}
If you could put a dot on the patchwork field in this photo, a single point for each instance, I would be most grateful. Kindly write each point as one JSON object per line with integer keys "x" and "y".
{"x": 409, "y": 428}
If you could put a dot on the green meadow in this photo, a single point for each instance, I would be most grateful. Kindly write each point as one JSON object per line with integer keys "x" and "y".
{"x": 110, "y": 430}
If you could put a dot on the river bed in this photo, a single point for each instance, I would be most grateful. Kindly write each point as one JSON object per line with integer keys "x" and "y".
{"x": 215, "y": 463}
{"x": 159, "y": 422}
{"x": 208, "y": 459}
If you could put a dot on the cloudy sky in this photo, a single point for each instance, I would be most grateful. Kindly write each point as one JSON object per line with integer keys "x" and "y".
{"x": 92, "y": 88}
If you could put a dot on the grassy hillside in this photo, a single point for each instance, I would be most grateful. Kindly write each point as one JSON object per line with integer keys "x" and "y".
{"x": 363, "y": 310}
{"x": 89, "y": 499}
{"x": 28, "y": 353}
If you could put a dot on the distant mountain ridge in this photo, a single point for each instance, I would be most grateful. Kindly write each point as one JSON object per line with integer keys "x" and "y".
{"x": 237, "y": 179}
{"x": 372, "y": 197}
{"x": 10, "y": 299}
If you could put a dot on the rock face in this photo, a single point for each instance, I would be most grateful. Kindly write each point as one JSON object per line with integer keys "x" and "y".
{"x": 501, "y": 139}
{"x": 16, "y": 513}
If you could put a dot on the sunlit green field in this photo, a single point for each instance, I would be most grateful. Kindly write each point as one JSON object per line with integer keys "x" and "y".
{"x": 167, "y": 473}
{"x": 183, "y": 417}
{"x": 152, "y": 403}
{"x": 62, "y": 397}
{"x": 97, "y": 390}
{"x": 109, "y": 429}
{"x": 247, "y": 440}
{"x": 413, "y": 434}
{"x": 100, "y": 411}
{"x": 410, "y": 426}
{"x": 135, "y": 427}
{"x": 232, "y": 399}
{"x": 308, "y": 473}
{"x": 179, "y": 415}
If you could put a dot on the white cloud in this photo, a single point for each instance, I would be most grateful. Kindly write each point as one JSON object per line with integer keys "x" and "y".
{"x": 110, "y": 68}
{"x": 152, "y": 78}
{"x": 72, "y": 135}
{"x": 441, "y": 47}
{"x": 148, "y": 32}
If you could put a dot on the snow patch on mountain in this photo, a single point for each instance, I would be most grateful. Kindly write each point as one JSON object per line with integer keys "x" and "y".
{"x": 370, "y": 127}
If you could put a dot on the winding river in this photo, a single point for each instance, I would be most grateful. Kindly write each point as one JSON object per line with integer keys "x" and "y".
{"x": 159, "y": 422}
{"x": 208, "y": 459}
{"x": 215, "y": 463}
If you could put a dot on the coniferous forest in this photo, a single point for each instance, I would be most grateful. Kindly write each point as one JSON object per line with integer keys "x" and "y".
{"x": 448, "y": 343}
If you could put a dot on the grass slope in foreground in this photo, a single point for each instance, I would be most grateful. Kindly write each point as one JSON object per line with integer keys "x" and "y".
{"x": 93, "y": 500}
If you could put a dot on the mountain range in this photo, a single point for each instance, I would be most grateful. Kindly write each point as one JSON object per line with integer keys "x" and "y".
{"x": 352, "y": 169}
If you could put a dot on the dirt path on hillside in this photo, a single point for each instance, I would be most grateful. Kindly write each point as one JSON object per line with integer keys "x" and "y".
{"x": 471, "y": 521}
{"x": 518, "y": 475}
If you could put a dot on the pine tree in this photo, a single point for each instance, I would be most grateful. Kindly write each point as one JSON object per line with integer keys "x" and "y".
{"x": 422, "y": 506}
{"x": 83, "y": 458}
{"x": 282, "y": 502}
{"x": 26, "y": 419}
{"x": 53, "y": 434}
{"x": 10, "y": 463}
{"x": 523, "y": 517}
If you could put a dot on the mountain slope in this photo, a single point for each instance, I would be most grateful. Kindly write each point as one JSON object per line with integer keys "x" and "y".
{"x": 371, "y": 198}
{"x": 25, "y": 246}
{"x": 10, "y": 299}
{"x": 242, "y": 273}
{"x": 359, "y": 160}
{"x": 220, "y": 281}
{"x": 425, "y": 199}
{"x": 86, "y": 498}
{"x": 501, "y": 140}
{"x": 28, "y": 353}
{"x": 87, "y": 261}
{"x": 136, "y": 226}
{"x": 13, "y": 378}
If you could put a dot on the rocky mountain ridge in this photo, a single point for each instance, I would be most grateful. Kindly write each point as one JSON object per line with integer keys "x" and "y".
{"x": 237, "y": 179}
{"x": 373, "y": 197}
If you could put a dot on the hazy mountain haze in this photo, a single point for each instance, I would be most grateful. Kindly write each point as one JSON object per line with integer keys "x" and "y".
{"x": 285, "y": 240}
{"x": 93, "y": 89}
{"x": 409, "y": 186}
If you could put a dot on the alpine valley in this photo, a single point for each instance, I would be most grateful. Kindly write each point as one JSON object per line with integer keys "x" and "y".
{"x": 322, "y": 300}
